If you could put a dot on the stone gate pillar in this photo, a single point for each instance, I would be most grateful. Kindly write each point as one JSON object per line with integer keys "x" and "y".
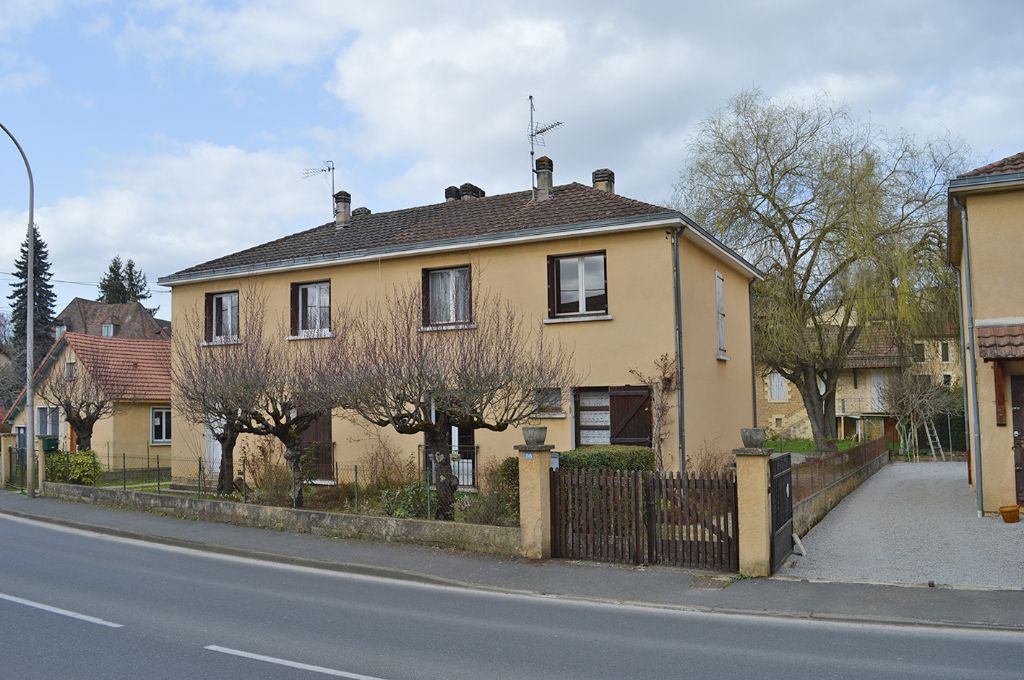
{"x": 535, "y": 499}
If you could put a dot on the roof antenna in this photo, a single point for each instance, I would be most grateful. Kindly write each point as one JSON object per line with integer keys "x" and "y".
{"x": 536, "y": 133}
{"x": 328, "y": 168}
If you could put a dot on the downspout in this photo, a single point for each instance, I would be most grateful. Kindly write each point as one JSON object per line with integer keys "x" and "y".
{"x": 963, "y": 360}
{"x": 753, "y": 354}
{"x": 678, "y": 298}
{"x": 975, "y": 417}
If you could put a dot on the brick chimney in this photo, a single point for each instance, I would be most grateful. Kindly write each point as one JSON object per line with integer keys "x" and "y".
{"x": 452, "y": 194}
{"x": 604, "y": 180}
{"x": 545, "y": 178}
{"x": 470, "y": 191}
{"x": 342, "y": 209}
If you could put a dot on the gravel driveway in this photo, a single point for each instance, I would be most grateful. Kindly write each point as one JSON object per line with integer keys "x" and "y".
{"x": 913, "y": 523}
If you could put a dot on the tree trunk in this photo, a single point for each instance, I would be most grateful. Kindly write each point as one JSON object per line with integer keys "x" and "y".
{"x": 226, "y": 479}
{"x": 293, "y": 454}
{"x": 821, "y": 410}
{"x": 439, "y": 446}
{"x": 83, "y": 434}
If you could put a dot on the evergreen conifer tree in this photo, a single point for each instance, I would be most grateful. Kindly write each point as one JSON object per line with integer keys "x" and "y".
{"x": 113, "y": 290}
{"x": 43, "y": 294}
{"x": 135, "y": 283}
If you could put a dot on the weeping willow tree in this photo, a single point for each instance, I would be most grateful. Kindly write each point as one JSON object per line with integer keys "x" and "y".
{"x": 847, "y": 224}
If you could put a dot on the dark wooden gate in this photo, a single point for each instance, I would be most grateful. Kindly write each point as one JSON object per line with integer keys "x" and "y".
{"x": 316, "y": 442}
{"x": 781, "y": 491}
{"x": 1017, "y": 407}
{"x": 644, "y": 517}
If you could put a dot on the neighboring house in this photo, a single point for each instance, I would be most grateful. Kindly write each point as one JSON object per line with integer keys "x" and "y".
{"x": 140, "y": 427}
{"x": 595, "y": 267}
{"x": 986, "y": 245}
{"x": 860, "y": 408}
{"x": 128, "y": 320}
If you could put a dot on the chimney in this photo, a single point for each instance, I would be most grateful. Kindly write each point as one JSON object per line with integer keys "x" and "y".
{"x": 471, "y": 191}
{"x": 604, "y": 180}
{"x": 342, "y": 209}
{"x": 361, "y": 212}
{"x": 452, "y": 194}
{"x": 545, "y": 171}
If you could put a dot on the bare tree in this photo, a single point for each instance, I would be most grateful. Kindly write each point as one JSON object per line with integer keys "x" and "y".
{"x": 915, "y": 399}
{"x": 483, "y": 375}
{"x": 848, "y": 225}
{"x": 86, "y": 395}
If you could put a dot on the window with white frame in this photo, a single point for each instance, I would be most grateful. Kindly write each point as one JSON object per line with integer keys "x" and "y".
{"x": 47, "y": 421}
{"x": 720, "y": 310}
{"x": 776, "y": 387}
{"x": 311, "y": 308}
{"x": 107, "y": 330}
{"x": 577, "y": 285}
{"x": 161, "y": 429}
{"x": 222, "y": 317}
{"x": 447, "y": 295}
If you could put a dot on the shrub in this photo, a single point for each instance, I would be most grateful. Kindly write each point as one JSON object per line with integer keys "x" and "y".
{"x": 80, "y": 467}
{"x": 497, "y": 501}
{"x": 709, "y": 461}
{"x": 608, "y": 457}
{"x": 406, "y": 501}
{"x": 267, "y": 473}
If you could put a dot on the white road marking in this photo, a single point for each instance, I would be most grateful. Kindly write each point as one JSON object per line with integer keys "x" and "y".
{"x": 58, "y": 610}
{"x": 290, "y": 664}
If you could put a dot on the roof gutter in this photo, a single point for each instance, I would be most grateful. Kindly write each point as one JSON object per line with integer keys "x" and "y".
{"x": 972, "y": 361}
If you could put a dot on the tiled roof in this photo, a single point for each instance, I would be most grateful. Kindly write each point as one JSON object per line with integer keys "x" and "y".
{"x": 141, "y": 366}
{"x": 874, "y": 349}
{"x": 1014, "y": 163}
{"x": 1001, "y": 342}
{"x": 132, "y": 319}
{"x": 569, "y": 204}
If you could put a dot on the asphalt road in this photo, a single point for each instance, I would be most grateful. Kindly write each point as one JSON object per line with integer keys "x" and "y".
{"x": 128, "y": 609}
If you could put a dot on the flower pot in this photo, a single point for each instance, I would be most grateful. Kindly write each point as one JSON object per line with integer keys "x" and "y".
{"x": 1010, "y": 513}
{"x": 535, "y": 434}
{"x": 753, "y": 437}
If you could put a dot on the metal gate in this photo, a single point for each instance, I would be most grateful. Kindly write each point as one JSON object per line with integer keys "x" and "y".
{"x": 781, "y": 490}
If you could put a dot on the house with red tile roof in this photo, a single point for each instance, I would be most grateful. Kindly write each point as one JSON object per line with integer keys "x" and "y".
{"x": 986, "y": 245}
{"x": 132, "y": 373}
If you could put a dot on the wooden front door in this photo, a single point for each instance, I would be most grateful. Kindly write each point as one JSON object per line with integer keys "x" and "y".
{"x": 1017, "y": 407}
{"x": 317, "y": 444}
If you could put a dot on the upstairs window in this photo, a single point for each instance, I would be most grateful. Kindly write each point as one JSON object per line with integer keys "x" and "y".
{"x": 222, "y": 317}
{"x": 70, "y": 370}
{"x": 776, "y": 387}
{"x": 577, "y": 285}
{"x": 944, "y": 351}
{"x": 918, "y": 353}
{"x": 447, "y": 296}
{"x": 107, "y": 330}
{"x": 720, "y": 310}
{"x": 311, "y": 309}
{"x": 59, "y": 330}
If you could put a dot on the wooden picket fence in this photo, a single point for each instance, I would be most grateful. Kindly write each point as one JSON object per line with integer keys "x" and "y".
{"x": 637, "y": 517}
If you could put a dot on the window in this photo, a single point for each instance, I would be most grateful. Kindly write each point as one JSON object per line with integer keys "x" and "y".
{"x": 20, "y": 436}
{"x": 107, "y": 330}
{"x": 59, "y": 330}
{"x": 613, "y": 415}
{"x": 161, "y": 425}
{"x": 776, "y": 387}
{"x": 447, "y": 296}
{"x": 311, "y": 309}
{"x": 918, "y": 355}
{"x": 778, "y": 422}
{"x": 720, "y": 310}
{"x": 944, "y": 351}
{"x": 222, "y": 317}
{"x": 947, "y": 379}
{"x": 577, "y": 285}
{"x": 70, "y": 370}
{"x": 47, "y": 421}
{"x": 549, "y": 401}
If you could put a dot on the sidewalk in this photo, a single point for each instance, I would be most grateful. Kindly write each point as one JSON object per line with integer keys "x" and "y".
{"x": 649, "y": 586}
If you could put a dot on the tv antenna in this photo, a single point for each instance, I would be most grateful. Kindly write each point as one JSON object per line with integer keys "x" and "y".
{"x": 326, "y": 169}
{"x": 536, "y": 134}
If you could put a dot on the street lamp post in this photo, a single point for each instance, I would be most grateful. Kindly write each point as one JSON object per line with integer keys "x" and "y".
{"x": 30, "y": 303}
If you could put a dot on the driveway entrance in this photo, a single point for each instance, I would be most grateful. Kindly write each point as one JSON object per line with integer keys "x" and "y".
{"x": 913, "y": 523}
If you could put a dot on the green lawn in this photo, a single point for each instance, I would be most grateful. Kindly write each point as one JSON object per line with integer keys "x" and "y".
{"x": 805, "y": 445}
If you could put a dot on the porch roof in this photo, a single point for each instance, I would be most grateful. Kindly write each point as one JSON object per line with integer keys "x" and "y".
{"x": 1002, "y": 341}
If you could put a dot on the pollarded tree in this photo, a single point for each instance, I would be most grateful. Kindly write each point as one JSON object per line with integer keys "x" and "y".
{"x": 483, "y": 375}
{"x": 847, "y": 224}
{"x": 86, "y": 396}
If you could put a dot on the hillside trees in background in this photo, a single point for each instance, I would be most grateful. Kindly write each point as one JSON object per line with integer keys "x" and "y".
{"x": 846, "y": 222}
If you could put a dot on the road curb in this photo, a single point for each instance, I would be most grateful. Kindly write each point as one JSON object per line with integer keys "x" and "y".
{"x": 426, "y": 579}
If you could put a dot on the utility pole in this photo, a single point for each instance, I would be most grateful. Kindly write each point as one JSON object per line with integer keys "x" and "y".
{"x": 30, "y": 303}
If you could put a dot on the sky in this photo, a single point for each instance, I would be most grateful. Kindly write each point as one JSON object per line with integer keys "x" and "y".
{"x": 176, "y": 131}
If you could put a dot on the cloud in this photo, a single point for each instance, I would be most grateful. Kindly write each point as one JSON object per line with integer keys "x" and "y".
{"x": 173, "y": 210}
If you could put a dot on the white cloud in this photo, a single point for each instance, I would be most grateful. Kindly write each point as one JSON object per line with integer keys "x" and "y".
{"x": 172, "y": 211}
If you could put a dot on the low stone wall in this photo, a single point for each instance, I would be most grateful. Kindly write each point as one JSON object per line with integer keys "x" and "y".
{"x": 475, "y": 537}
{"x": 813, "y": 509}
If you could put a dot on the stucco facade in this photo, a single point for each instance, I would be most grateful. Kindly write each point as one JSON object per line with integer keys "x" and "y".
{"x": 638, "y": 328}
{"x": 989, "y": 262}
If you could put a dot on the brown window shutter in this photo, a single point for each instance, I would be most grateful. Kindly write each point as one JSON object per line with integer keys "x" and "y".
{"x": 295, "y": 309}
{"x": 425, "y": 303}
{"x": 208, "y": 318}
{"x": 630, "y": 415}
{"x": 552, "y": 286}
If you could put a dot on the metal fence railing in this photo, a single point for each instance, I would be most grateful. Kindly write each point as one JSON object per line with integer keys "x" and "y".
{"x": 822, "y": 471}
{"x": 464, "y": 465}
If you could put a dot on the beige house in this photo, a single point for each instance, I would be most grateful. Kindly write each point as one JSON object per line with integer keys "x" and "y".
{"x": 138, "y": 430}
{"x": 621, "y": 281}
{"x": 860, "y": 411}
{"x": 986, "y": 215}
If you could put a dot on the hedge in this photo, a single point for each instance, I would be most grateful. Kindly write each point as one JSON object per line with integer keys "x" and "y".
{"x": 608, "y": 457}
